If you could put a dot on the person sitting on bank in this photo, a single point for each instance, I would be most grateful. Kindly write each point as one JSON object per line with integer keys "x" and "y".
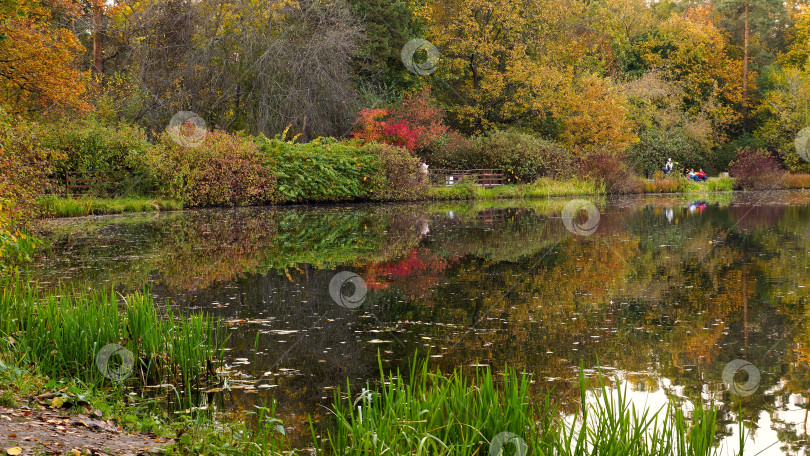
{"x": 702, "y": 175}
{"x": 692, "y": 175}
{"x": 668, "y": 167}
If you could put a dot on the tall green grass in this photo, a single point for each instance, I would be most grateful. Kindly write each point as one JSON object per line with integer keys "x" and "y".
{"x": 680, "y": 184}
{"x": 438, "y": 414}
{"x": 714, "y": 184}
{"x": 55, "y": 206}
{"x": 61, "y": 335}
{"x": 541, "y": 188}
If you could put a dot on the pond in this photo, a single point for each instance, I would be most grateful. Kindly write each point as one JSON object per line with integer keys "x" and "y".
{"x": 662, "y": 293}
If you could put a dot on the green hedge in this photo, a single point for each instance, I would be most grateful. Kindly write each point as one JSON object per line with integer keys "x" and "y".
{"x": 232, "y": 170}
{"x": 523, "y": 157}
{"x": 89, "y": 145}
{"x": 321, "y": 171}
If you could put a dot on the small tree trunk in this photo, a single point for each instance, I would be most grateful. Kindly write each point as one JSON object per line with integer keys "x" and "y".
{"x": 98, "y": 36}
{"x": 745, "y": 70}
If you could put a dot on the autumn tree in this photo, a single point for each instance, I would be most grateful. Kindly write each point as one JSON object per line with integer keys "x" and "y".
{"x": 525, "y": 64}
{"x": 38, "y": 59}
{"x": 784, "y": 110}
{"x": 798, "y": 53}
{"x": 689, "y": 50}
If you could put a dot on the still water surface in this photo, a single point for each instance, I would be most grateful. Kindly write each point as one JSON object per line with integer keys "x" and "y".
{"x": 664, "y": 294}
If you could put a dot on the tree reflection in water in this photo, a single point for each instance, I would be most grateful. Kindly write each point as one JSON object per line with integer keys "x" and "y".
{"x": 662, "y": 295}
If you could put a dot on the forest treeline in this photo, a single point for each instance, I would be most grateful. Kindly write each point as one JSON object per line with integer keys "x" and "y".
{"x": 541, "y": 88}
{"x": 628, "y": 75}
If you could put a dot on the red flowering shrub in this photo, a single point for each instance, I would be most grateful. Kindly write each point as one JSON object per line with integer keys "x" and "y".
{"x": 756, "y": 170}
{"x": 400, "y": 135}
{"x": 369, "y": 125}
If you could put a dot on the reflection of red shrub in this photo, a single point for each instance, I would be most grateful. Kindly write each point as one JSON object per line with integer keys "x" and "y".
{"x": 406, "y": 267}
{"x": 417, "y": 272}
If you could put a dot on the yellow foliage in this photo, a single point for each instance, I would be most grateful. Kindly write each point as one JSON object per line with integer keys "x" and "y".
{"x": 37, "y": 61}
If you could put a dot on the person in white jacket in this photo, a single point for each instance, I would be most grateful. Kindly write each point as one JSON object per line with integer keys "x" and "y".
{"x": 668, "y": 166}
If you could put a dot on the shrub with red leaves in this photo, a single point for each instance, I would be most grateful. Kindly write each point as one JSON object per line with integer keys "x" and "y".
{"x": 612, "y": 172}
{"x": 424, "y": 115}
{"x": 400, "y": 134}
{"x": 415, "y": 123}
{"x": 756, "y": 170}
{"x": 370, "y": 124}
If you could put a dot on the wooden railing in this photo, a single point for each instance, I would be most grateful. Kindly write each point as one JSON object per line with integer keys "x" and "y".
{"x": 90, "y": 179}
{"x": 486, "y": 178}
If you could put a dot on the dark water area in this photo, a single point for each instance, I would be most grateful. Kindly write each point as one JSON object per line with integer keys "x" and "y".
{"x": 662, "y": 296}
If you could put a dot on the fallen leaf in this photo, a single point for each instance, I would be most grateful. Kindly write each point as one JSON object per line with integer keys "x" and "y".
{"x": 14, "y": 451}
{"x": 57, "y": 402}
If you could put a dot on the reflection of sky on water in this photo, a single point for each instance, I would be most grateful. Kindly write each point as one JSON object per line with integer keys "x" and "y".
{"x": 668, "y": 286}
{"x": 764, "y": 440}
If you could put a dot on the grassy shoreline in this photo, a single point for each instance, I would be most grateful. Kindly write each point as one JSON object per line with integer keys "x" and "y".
{"x": 57, "y": 207}
{"x": 60, "y": 207}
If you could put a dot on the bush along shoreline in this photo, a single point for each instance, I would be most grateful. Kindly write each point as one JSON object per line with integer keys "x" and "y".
{"x": 376, "y": 164}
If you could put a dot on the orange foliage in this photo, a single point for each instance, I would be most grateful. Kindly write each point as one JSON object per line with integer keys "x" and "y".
{"x": 37, "y": 60}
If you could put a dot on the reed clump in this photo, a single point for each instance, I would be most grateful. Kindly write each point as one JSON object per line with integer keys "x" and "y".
{"x": 64, "y": 334}
{"x": 450, "y": 414}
